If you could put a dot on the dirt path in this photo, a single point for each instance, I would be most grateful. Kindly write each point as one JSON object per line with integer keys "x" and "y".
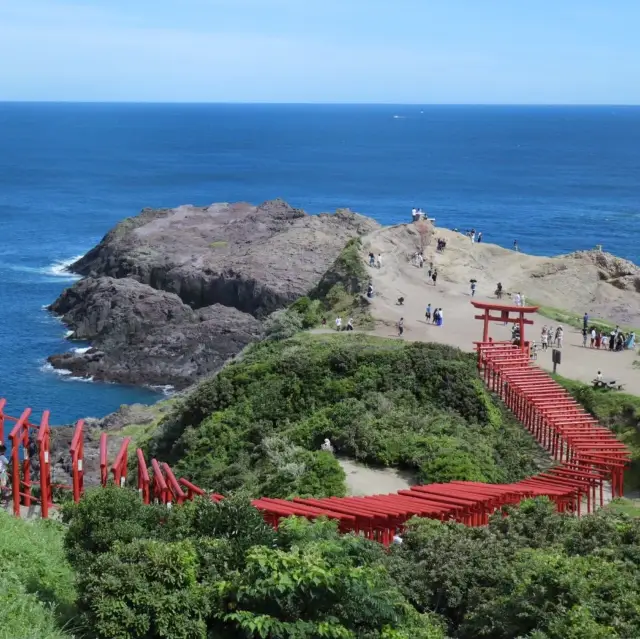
{"x": 399, "y": 277}
{"x": 364, "y": 480}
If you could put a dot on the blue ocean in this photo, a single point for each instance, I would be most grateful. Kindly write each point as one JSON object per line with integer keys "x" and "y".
{"x": 557, "y": 179}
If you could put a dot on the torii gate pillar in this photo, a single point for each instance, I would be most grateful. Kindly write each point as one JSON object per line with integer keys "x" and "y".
{"x": 509, "y": 313}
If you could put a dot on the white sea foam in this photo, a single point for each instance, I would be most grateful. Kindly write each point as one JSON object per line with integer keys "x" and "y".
{"x": 81, "y": 351}
{"x": 60, "y": 268}
{"x": 69, "y": 334}
{"x": 48, "y": 368}
{"x": 166, "y": 390}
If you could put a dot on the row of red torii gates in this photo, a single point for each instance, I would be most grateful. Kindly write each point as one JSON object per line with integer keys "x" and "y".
{"x": 588, "y": 457}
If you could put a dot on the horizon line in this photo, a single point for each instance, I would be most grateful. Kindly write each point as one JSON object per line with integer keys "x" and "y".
{"x": 268, "y": 103}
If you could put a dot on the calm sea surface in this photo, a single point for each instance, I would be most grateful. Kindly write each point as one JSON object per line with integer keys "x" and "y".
{"x": 555, "y": 179}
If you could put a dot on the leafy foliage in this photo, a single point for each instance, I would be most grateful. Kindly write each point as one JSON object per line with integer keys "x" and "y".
{"x": 260, "y": 422}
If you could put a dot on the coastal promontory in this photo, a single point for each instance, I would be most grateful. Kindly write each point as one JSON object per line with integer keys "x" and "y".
{"x": 169, "y": 295}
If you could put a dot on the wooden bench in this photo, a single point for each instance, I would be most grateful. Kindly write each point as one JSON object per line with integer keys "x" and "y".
{"x": 608, "y": 383}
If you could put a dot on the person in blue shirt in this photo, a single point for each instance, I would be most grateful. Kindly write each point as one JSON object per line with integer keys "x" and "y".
{"x": 428, "y": 313}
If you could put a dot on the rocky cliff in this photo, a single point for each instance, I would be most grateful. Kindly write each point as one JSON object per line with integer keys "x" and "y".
{"x": 170, "y": 295}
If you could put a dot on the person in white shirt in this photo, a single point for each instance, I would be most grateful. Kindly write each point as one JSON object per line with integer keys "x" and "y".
{"x": 599, "y": 376}
{"x": 379, "y": 261}
{"x": 338, "y": 323}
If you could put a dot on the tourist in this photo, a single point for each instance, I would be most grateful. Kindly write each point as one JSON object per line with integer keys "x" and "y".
{"x": 599, "y": 376}
{"x": 472, "y": 235}
{"x": 434, "y": 276}
{"x": 397, "y": 539}
{"x": 338, "y": 323}
{"x": 620, "y": 342}
{"x": 517, "y": 299}
{"x": 559, "y": 336}
{"x": 4, "y": 476}
{"x": 631, "y": 341}
{"x": 427, "y": 313}
{"x": 612, "y": 340}
{"x": 379, "y": 263}
{"x": 593, "y": 337}
{"x": 585, "y": 335}
{"x": 324, "y": 321}
{"x": 370, "y": 290}
{"x": 350, "y": 324}
{"x": 372, "y": 259}
{"x": 515, "y": 245}
{"x": 544, "y": 337}
{"x": 479, "y": 237}
{"x": 473, "y": 288}
{"x": 522, "y": 300}
{"x": 604, "y": 341}
{"x": 420, "y": 260}
{"x": 534, "y": 351}
{"x": 499, "y": 291}
{"x": 585, "y": 320}
{"x": 440, "y": 317}
{"x": 401, "y": 327}
{"x": 327, "y": 446}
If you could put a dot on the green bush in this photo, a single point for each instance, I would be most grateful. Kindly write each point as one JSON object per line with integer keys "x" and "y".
{"x": 415, "y": 406}
{"x": 104, "y": 517}
{"x": 145, "y": 588}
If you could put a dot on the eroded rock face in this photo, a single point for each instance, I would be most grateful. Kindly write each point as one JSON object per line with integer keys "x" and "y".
{"x": 170, "y": 295}
{"x": 255, "y": 259}
{"x": 143, "y": 336}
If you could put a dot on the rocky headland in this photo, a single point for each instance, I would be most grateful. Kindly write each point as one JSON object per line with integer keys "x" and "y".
{"x": 169, "y": 295}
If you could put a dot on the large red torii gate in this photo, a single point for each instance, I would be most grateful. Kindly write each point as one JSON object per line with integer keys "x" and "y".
{"x": 505, "y": 316}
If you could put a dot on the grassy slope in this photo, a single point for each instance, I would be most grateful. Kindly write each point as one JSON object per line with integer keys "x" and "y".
{"x": 36, "y": 583}
{"x": 575, "y": 319}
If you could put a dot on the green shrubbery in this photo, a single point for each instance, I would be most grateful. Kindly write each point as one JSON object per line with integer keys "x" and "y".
{"x": 216, "y": 570}
{"x": 260, "y": 422}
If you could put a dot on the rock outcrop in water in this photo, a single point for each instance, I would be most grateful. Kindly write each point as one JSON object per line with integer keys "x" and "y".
{"x": 170, "y": 295}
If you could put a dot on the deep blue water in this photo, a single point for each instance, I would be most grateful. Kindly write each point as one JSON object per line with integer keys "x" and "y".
{"x": 557, "y": 179}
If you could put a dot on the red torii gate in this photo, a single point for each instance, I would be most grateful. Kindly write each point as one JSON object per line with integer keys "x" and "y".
{"x": 505, "y": 311}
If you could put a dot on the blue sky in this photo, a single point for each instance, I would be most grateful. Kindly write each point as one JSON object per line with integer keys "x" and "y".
{"x": 390, "y": 51}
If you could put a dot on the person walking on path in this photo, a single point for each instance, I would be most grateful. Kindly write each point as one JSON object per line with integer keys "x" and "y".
{"x": 593, "y": 337}
{"x": 434, "y": 276}
{"x": 338, "y": 323}
{"x": 379, "y": 262}
{"x": 559, "y": 336}
{"x": 473, "y": 288}
{"x": 427, "y": 313}
{"x": 479, "y": 237}
{"x": 350, "y": 324}
{"x": 401, "y": 327}
{"x": 516, "y": 248}
{"x": 585, "y": 333}
{"x": 544, "y": 338}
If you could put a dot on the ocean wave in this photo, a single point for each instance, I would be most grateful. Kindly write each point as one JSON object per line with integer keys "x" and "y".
{"x": 167, "y": 390}
{"x": 48, "y": 368}
{"x": 66, "y": 375}
{"x": 69, "y": 334}
{"x": 60, "y": 268}
{"x": 81, "y": 351}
